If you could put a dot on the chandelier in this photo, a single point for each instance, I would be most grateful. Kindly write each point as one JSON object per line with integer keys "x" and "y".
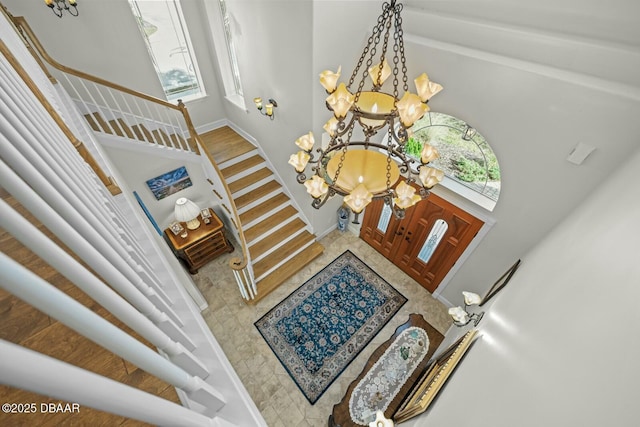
{"x": 57, "y": 6}
{"x": 354, "y": 164}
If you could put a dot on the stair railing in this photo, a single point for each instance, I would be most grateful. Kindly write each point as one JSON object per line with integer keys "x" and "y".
{"x": 138, "y": 116}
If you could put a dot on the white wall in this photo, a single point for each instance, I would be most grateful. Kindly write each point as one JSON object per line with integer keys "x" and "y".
{"x": 534, "y": 83}
{"x": 135, "y": 169}
{"x": 559, "y": 344}
{"x": 104, "y": 40}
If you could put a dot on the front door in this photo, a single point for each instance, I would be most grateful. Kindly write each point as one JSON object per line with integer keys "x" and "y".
{"x": 426, "y": 243}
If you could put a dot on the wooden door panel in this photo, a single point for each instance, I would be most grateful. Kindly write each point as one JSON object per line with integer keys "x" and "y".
{"x": 403, "y": 239}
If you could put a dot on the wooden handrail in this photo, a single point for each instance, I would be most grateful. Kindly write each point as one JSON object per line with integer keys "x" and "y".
{"x": 32, "y": 40}
{"x": 77, "y": 144}
{"x": 235, "y": 263}
{"x": 22, "y": 24}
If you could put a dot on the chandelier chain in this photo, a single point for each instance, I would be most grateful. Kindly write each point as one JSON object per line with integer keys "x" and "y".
{"x": 400, "y": 45}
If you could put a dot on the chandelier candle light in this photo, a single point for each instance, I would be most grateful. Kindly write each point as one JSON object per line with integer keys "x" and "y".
{"x": 364, "y": 169}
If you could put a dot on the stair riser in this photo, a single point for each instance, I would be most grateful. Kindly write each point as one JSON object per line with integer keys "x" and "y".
{"x": 278, "y": 246}
{"x": 273, "y": 230}
{"x": 237, "y": 159}
{"x": 252, "y": 187}
{"x": 249, "y": 224}
{"x": 244, "y": 173}
{"x": 275, "y": 267}
{"x": 257, "y": 202}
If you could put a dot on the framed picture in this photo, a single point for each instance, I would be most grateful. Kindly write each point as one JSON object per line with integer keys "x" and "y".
{"x": 169, "y": 183}
{"x": 500, "y": 283}
{"x": 206, "y": 215}
{"x": 433, "y": 379}
{"x": 176, "y": 228}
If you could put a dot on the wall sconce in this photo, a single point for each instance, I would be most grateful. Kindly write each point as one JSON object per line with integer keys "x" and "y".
{"x": 462, "y": 317}
{"x": 187, "y": 211}
{"x": 266, "y": 109}
{"x": 57, "y": 6}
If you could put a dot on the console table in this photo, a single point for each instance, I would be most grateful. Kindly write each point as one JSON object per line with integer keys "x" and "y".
{"x": 340, "y": 417}
{"x": 201, "y": 245}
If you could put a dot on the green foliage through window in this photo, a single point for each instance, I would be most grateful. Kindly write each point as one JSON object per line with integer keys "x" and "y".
{"x": 471, "y": 162}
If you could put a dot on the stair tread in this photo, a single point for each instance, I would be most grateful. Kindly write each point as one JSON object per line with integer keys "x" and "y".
{"x": 283, "y": 252}
{"x": 274, "y": 238}
{"x": 257, "y": 194}
{"x": 285, "y": 271}
{"x": 161, "y": 136}
{"x": 269, "y": 223}
{"x": 142, "y": 133}
{"x": 239, "y": 167}
{"x": 249, "y": 180}
{"x": 120, "y": 128}
{"x": 97, "y": 123}
{"x": 263, "y": 208}
{"x": 225, "y": 144}
{"x": 179, "y": 141}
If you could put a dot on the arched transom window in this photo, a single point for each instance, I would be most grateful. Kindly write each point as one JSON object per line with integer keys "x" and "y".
{"x": 465, "y": 156}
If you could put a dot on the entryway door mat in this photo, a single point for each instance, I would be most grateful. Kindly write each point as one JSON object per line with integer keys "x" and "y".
{"x": 324, "y": 324}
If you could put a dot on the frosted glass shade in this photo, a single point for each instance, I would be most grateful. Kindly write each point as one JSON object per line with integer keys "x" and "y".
{"x": 187, "y": 211}
{"x": 378, "y": 77}
{"x": 471, "y": 298}
{"x": 459, "y": 315}
{"x": 306, "y": 141}
{"x": 329, "y": 79}
{"x": 430, "y": 176}
{"x": 316, "y": 186}
{"x": 429, "y": 153}
{"x": 411, "y": 109}
{"x": 331, "y": 126}
{"x": 426, "y": 88}
{"x": 340, "y": 101}
{"x": 406, "y": 196}
{"x": 359, "y": 198}
{"x": 375, "y": 103}
{"x": 299, "y": 160}
{"x": 363, "y": 167}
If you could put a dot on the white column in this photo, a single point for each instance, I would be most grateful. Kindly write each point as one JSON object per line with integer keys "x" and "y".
{"x": 30, "y": 370}
{"x": 31, "y": 288}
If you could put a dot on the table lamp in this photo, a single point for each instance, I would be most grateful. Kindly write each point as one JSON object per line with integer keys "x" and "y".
{"x": 187, "y": 211}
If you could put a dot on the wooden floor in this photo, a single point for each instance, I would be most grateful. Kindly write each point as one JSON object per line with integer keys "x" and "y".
{"x": 24, "y": 325}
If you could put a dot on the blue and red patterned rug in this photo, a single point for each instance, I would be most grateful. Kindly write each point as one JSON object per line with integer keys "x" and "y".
{"x": 323, "y": 325}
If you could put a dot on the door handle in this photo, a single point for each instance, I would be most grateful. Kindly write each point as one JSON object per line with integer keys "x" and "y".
{"x": 408, "y": 238}
{"x": 401, "y": 232}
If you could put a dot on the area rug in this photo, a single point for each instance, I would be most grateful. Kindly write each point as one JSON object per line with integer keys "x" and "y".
{"x": 323, "y": 325}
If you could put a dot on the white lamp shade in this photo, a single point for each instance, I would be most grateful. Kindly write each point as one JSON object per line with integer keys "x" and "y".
{"x": 187, "y": 211}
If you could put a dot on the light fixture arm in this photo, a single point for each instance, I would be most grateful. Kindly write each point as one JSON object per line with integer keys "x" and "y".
{"x": 58, "y": 6}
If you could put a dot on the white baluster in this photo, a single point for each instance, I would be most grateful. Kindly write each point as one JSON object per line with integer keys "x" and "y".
{"x": 31, "y": 288}
{"x": 30, "y": 370}
{"x": 28, "y": 195}
{"x": 31, "y": 237}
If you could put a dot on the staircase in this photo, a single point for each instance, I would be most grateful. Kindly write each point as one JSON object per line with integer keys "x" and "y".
{"x": 278, "y": 240}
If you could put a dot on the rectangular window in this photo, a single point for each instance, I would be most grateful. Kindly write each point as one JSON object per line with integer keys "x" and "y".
{"x": 164, "y": 30}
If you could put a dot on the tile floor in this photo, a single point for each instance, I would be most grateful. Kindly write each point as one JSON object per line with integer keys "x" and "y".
{"x": 273, "y": 391}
